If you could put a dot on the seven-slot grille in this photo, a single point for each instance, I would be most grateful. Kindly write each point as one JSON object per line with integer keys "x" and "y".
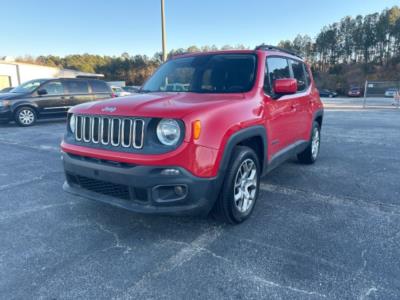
{"x": 114, "y": 131}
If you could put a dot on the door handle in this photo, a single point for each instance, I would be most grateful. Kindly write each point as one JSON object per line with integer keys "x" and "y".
{"x": 295, "y": 106}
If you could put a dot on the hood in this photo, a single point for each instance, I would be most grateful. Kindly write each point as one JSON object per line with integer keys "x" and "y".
{"x": 9, "y": 96}
{"x": 163, "y": 105}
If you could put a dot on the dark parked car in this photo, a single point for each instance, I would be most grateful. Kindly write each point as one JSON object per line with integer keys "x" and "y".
{"x": 6, "y": 90}
{"x": 131, "y": 89}
{"x": 49, "y": 98}
{"x": 355, "y": 92}
{"x": 327, "y": 93}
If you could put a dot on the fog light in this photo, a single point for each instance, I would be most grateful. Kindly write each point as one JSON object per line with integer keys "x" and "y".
{"x": 179, "y": 190}
{"x": 170, "y": 172}
{"x": 169, "y": 193}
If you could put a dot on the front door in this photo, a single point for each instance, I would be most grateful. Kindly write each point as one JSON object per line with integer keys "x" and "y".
{"x": 280, "y": 111}
{"x": 50, "y": 99}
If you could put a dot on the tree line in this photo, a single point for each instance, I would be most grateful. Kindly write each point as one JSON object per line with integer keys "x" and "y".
{"x": 374, "y": 38}
{"x": 368, "y": 44}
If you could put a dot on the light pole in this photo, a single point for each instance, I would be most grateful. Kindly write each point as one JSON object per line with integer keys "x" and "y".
{"x": 164, "y": 36}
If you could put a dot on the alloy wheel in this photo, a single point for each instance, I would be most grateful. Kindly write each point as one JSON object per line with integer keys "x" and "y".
{"x": 26, "y": 117}
{"x": 245, "y": 188}
{"x": 315, "y": 144}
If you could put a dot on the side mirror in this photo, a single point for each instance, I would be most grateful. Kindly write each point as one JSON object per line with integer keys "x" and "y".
{"x": 42, "y": 92}
{"x": 285, "y": 86}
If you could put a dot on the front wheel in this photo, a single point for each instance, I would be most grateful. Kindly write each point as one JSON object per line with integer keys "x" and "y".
{"x": 310, "y": 154}
{"x": 25, "y": 116}
{"x": 240, "y": 189}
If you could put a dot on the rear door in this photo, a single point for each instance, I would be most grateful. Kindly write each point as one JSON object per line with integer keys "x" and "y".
{"x": 100, "y": 89}
{"x": 281, "y": 115}
{"x": 49, "y": 97}
{"x": 301, "y": 101}
{"x": 77, "y": 91}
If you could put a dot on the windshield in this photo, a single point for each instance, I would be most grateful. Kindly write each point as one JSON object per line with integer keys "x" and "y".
{"x": 212, "y": 73}
{"x": 28, "y": 86}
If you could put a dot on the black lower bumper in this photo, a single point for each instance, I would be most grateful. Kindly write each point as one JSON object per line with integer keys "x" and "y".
{"x": 5, "y": 115}
{"x": 144, "y": 189}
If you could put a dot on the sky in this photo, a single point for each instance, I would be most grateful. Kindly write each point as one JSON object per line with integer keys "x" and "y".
{"x": 61, "y": 27}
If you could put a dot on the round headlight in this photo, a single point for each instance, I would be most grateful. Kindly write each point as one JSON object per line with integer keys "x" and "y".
{"x": 168, "y": 132}
{"x": 72, "y": 121}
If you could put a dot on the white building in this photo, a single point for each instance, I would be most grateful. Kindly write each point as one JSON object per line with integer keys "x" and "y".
{"x": 15, "y": 73}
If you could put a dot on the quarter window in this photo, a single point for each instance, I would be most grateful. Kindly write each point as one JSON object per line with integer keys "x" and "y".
{"x": 99, "y": 87}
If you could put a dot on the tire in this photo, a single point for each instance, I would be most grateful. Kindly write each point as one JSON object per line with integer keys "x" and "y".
{"x": 25, "y": 116}
{"x": 310, "y": 154}
{"x": 226, "y": 208}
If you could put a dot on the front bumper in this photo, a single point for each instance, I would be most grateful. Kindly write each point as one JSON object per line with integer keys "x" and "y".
{"x": 139, "y": 188}
{"x": 5, "y": 114}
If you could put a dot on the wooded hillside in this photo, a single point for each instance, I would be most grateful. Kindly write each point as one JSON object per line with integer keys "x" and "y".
{"x": 344, "y": 53}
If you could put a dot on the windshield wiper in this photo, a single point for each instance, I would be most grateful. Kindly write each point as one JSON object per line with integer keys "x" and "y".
{"x": 144, "y": 91}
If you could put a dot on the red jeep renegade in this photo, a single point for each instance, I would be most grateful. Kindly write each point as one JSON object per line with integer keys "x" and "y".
{"x": 198, "y": 138}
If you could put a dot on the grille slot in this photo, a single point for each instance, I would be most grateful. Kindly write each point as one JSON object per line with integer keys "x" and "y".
{"x": 115, "y": 132}
{"x": 96, "y": 130}
{"x": 112, "y": 131}
{"x": 102, "y": 187}
{"x": 86, "y": 129}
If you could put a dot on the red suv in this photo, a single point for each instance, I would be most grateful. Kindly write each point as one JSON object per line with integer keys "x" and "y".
{"x": 200, "y": 135}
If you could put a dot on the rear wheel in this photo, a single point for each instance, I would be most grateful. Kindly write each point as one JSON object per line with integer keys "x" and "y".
{"x": 240, "y": 189}
{"x": 25, "y": 116}
{"x": 310, "y": 154}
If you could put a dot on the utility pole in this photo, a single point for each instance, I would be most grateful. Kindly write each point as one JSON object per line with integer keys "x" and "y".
{"x": 164, "y": 36}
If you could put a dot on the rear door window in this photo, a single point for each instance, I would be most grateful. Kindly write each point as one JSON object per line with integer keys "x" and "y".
{"x": 299, "y": 75}
{"x": 77, "y": 86}
{"x": 99, "y": 87}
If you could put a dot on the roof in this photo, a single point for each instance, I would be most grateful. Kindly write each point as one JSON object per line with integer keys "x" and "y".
{"x": 264, "y": 47}
{"x": 189, "y": 54}
{"x": 270, "y": 51}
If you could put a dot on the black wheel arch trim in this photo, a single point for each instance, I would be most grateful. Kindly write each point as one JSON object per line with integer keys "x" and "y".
{"x": 18, "y": 105}
{"x": 317, "y": 114}
{"x": 240, "y": 136}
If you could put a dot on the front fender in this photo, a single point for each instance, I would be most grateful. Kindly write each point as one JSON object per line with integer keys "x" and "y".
{"x": 240, "y": 136}
{"x": 18, "y": 104}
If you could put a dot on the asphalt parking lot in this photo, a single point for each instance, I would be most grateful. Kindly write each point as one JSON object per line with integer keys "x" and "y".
{"x": 331, "y": 230}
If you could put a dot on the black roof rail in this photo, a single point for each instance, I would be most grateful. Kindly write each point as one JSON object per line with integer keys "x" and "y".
{"x": 264, "y": 47}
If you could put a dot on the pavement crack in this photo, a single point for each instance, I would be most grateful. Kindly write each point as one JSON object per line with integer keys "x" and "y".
{"x": 26, "y": 181}
{"x": 7, "y": 215}
{"x": 117, "y": 240}
{"x": 297, "y": 253}
{"x": 43, "y": 148}
{"x": 184, "y": 255}
{"x": 374, "y": 206}
{"x": 249, "y": 274}
{"x": 368, "y": 292}
{"x": 20, "y": 182}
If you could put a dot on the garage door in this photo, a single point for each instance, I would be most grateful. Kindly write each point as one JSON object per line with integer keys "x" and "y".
{"x": 5, "y": 81}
